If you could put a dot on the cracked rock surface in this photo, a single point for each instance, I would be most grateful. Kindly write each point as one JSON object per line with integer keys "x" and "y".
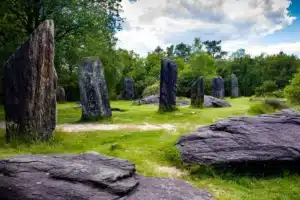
{"x": 263, "y": 138}
{"x": 86, "y": 177}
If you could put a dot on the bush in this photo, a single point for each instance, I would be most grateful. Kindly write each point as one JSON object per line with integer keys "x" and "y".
{"x": 267, "y": 106}
{"x": 277, "y": 94}
{"x": 151, "y": 90}
{"x": 292, "y": 91}
{"x": 266, "y": 88}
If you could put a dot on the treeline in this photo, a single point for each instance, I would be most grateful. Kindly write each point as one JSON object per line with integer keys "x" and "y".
{"x": 87, "y": 28}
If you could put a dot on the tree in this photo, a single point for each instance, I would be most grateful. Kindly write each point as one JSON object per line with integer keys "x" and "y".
{"x": 158, "y": 49}
{"x": 292, "y": 91}
{"x": 238, "y": 53}
{"x": 170, "y": 51}
{"x": 197, "y": 46}
{"x": 214, "y": 49}
{"x": 82, "y": 28}
{"x": 183, "y": 50}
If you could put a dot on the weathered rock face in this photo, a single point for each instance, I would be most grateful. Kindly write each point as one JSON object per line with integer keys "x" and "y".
{"x": 263, "y": 138}
{"x": 30, "y": 87}
{"x": 168, "y": 79}
{"x": 218, "y": 87}
{"x": 93, "y": 91}
{"x": 60, "y": 94}
{"x": 234, "y": 86}
{"x": 213, "y": 102}
{"x": 128, "y": 93}
{"x": 85, "y": 177}
{"x": 197, "y": 93}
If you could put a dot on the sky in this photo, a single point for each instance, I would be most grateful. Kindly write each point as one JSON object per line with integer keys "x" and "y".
{"x": 258, "y": 26}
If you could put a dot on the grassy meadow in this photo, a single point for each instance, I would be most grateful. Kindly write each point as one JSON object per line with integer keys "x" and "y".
{"x": 154, "y": 152}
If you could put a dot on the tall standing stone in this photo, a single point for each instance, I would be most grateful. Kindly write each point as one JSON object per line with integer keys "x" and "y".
{"x": 234, "y": 86}
{"x": 218, "y": 90}
{"x": 168, "y": 79}
{"x": 30, "y": 87}
{"x": 197, "y": 93}
{"x": 60, "y": 94}
{"x": 93, "y": 91}
{"x": 128, "y": 89}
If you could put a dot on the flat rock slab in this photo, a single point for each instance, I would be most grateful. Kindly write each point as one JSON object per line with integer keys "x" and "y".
{"x": 264, "y": 138}
{"x": 86, "y": 177}
{"x": 154, "y": 99}
{"x": 209, "y": 101}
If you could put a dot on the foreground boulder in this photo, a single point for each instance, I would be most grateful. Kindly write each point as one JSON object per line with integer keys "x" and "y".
{"x": 168, "y": 79}
{"x": 264, "y": 138}
{"x": 93, "y": 91}
{"x": 30, "y": 87}
{"x": 86, "y": 177}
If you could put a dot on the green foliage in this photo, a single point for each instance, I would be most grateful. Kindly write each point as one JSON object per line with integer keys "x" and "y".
{"x": 266, "y": 88}
{"x": 82, "y": 28}
{"x": 292, "y": 91}
{"x": 151, "y": 90}
{"x": 267, "y": 106}
{"x": 252, "y": 72}
{"x": 199, "y": 64}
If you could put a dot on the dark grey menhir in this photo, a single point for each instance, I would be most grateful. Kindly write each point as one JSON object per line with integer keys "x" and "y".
{"x": 30, "y": 87}
{"x": 128, "y": 89}
{"x": 93, "y": 90}
{"x": 234, "y": 86}
{"x": 86, "y": 177}
{"x": 197, "y": 93}
{"x": 264, "y": 138}
{"x": 168, "y": 79}
{"x": 60, "y": 94}
{"x": 218, "y": 87}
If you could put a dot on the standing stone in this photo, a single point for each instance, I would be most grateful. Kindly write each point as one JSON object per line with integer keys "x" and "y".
{"x": 234, "y": 86}
{"x": 60, "y": 94}
{"x": 93, "y": 91}
{"x": 30, "y": 87}
{"x": 128, "y": 91}
{"x": 168, "y": 79}
{"x": 218, "y": 90}
{"x": 197, "y": 93}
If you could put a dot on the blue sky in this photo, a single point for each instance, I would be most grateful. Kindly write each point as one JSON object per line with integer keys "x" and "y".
{"x": 290, "y": 33}
{"x": 267, "y": 26}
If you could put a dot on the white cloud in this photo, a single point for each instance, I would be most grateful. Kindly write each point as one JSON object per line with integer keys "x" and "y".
{"x": 151, "y": 23}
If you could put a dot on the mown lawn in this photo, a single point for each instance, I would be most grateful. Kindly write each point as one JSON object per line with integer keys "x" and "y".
{"x": 154, "y": 152}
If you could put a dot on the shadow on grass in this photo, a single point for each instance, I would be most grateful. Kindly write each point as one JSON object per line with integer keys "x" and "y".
{"x": 257, "y": 170}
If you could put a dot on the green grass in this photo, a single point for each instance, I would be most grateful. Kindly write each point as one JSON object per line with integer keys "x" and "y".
{"x": 153, "y": 151}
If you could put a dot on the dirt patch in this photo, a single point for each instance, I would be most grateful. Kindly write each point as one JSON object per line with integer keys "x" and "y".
{"x": 111, "y": 127}
{"x": 172, "y": 172}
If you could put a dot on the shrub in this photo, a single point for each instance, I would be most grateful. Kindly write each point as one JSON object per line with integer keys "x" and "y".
{"x": 266, "y": 88}
{"x": 267, "y": 106}
{"x": 292, "y": 91}
{"x": 151, "y": 90}
{"x": 277, "y": 94}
